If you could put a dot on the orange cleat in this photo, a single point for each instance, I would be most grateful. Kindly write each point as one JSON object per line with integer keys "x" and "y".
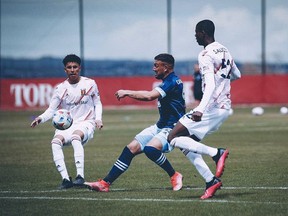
{"x": 211, "y": 188}
{"x": 220, "y": 163}
{"x": 99, "y": 185}
{"x": 176, "y": 181}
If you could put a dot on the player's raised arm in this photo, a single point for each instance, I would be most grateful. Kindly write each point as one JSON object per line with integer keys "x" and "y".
{"x": 138, "y": 95}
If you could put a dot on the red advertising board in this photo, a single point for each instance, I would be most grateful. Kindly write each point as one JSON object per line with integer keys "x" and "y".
{"x": 26, "y": 94}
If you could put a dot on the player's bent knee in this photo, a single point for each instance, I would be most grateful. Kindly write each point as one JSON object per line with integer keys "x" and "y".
{"x": 75, "y": 137}
{"x": 56, "y": 141}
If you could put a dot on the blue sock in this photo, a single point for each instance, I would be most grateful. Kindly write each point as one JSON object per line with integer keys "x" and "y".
{"x": 159, "y": 158}
{"x": 120, "y": 166}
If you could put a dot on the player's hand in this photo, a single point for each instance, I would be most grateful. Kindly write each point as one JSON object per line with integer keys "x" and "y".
{"x": 197, "y": 116}
{"x": 120, "y": 94}
{"x": 35, "y": 122}
{"x": 99, "y": 124}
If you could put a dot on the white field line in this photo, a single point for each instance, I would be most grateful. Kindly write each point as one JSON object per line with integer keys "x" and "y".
{"x": 140, "y": 200}
{"x": 152, "y": 189}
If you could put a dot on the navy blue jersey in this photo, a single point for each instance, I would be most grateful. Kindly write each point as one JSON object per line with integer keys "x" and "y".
{"x": 171, "y": 103}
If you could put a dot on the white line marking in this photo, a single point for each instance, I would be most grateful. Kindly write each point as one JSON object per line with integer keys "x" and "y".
{"x": 140, "y": 200}
{"x": 153, "y": 189}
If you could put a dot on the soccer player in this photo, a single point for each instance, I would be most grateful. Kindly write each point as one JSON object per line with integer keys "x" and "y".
{"x": 218, "y": 69}
{"x": 152, "y": 140}
{"x": 80, "y": 96}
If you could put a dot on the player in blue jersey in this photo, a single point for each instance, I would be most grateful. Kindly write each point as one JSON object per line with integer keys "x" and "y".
{"x": 152, "y": 140}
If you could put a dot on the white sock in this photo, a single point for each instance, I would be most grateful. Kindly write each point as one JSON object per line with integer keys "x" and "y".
{"x": 200, "y": 165}
{"x": 78, "y": 154}
{"x": 189, "y": 144}
{"x": 58, "y": 158}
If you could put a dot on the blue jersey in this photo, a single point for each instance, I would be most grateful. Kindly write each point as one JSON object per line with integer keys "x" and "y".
{"x": 171, "y": 103}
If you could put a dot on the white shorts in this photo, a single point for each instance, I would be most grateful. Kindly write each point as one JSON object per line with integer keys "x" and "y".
{"x": 153, "y": 131}
{"x": 85, "y": 126}
{"x": 210, "y": 122}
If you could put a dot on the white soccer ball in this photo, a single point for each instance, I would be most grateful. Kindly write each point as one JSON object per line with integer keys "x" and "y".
{"x": 257, "y": 111}
{"x": 62, "y": 119}
{"x": 284, "y": 110}
{"x": 231, "y": 111}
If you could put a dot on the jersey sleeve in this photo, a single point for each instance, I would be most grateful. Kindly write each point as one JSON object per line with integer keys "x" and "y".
{"x": 97, "y": 102}
{"x": 161, "y": 91}
{"x": 207, "y": 69}
{"x": 54, "y": 104}
{"x": 235, "y": 72}
{"x": 207, "y": 94}
{"x": 165, "y": 87}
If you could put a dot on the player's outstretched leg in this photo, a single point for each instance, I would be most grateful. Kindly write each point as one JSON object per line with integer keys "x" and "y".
{"x": 119, "y": 167}
{"x": 160, "y": 159}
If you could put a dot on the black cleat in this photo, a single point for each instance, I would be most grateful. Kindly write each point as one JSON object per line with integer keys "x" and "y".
{"x": 66, "y": 184}
{"x": 79, "y": 181}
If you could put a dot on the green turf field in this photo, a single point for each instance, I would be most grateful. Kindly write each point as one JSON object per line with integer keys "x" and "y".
{"x": 255, "y": 181}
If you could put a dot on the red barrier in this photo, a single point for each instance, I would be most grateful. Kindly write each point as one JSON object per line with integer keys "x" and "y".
{"x": 23, "y": 94}
{"x": 266, "y": 89}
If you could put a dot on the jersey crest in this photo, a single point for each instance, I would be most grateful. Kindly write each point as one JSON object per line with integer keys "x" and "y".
{"x": 83, "y": 92}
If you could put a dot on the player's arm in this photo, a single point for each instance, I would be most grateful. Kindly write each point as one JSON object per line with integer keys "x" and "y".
{"x": 43, "y": 117}
{"x": 208, "y": 72}
{"x": 208, "y": 91}
{"x": 235, "y": 72}
{"x": 98, "y": 111}
{"x": 98, "y": 108}
{"x": 138, "y": 95}
{"x": 55, "y": 102}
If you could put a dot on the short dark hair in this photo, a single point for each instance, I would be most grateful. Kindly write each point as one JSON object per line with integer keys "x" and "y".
{"x": 167, "y": 58}
{"x": 207, "y": 26}
{"x": 71, "y": 58}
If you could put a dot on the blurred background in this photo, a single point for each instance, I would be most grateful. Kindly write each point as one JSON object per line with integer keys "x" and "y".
{"x": 120, "y": 38}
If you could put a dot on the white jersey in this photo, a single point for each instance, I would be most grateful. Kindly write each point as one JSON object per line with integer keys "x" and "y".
{"x": 216, "y": 59}
{"x": 81, "y": 99}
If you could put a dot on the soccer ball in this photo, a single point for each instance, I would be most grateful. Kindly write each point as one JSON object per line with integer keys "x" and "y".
{"x": 284, "y": 110}
{"x": 62, "y": 119}
{"x": 257, "y": 111}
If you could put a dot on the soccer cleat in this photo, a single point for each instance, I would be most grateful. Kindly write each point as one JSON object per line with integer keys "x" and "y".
{"x": 220, "y": 161}
{"x": 79, "y": 181}
{"x": 176, "y": 181}
{"x": 211, "y": 188}
{"x": 100, "y": 185}
{"x": 66, "y": 184}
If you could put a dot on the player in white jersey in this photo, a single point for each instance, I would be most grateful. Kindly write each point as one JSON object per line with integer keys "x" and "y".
{"x": 217, "y": 69}
{"x": 80, "y": 96}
